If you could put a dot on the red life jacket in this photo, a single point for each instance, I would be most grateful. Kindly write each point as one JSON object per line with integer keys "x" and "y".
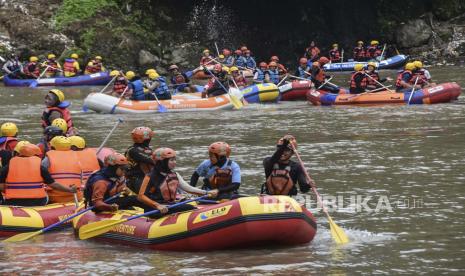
{"x": 66, "y": 115}
{"x": 373, "y": 52}
{"x": 334, "y": 56}
{"x": 363, "y": 83}
{"x": 9, "y": 143}
{"x": 279, "y": 182}
{"x": 68, "y": 66}
{"x": 32, "y": 69}
{"x": 422, "y": 80}
{"x": 94, "y": 68}
{"x": 24, "y": 179}
{"x": 119, "y": 85}
{"x": 221, "y": 177}
{"x": 374, "y": 76}
{"x": 52, "y": 66}
{"x": 400, "y": 77}
{"x": 169, "y": 187}
{"x": 240, "y": 81}
{"x": 359, "y": 52}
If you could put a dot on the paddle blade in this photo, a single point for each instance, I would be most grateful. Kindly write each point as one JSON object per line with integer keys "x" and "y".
{"x": 98, "y": 228}
{"x": 162, "y": 108}
{"x": 339, "y": 236}
{"x": 112, "y": 111}
{"x": 23, "y": 236}
{"x": 85, "y": 108}
{"x": 33, "y": 84}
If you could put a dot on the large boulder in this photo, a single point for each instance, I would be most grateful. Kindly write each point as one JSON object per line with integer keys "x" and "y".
{"x": 146, "y": 58}
{"x": 414, "y": 33}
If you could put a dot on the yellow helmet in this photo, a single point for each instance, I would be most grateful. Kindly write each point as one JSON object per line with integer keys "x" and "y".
{"x": 61, "y": 143}
{"x": 77, "y": 141}
{"x": 33, "y": 59}
{"x": 114, "y": 73}
{"x": 358, "y": 67}
{"x": 50, "y": 56}
{"x": 58, "y": 93}
{"x": 206, "y": 51}
{"x": 418, "y": 64}
{"x": 371, "y": 63}
{"x": 98, "y": 57}
{"x": 374, "y": 42}
{"x": 148, "y": 71}
{"x": 410, "y": 66}
{"x": 225, "y": 69}
{"x": 90, "y": 63}
{"x": 9, "y": 129}
{"x": 335, "y": 45}
{"x": 20, "y": 144}
{"x": 130, "y": 75}
{"x": 359, "y": 42}
{"x": 74, "y": 55}
{"x": 221, "y": 56}
{"x": 233, "y": 69}
{"x": 153, "y": 75}
{"x": 61, "y": 123}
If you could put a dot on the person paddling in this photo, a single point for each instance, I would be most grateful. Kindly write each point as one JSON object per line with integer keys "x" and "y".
{"x": 52, "y": 65}
{"x": 8, "y": 139}
{"x": 405, "y": 79}
{"x": 374, "y": 79}
{"x": 119, "y": 85}
{"x": 139, "y": 156}
{"x": 71, "y": 66}
{"x": 56, "y": 107}
{"x": 358, "y": 80}
{"x": 32, "y": 68}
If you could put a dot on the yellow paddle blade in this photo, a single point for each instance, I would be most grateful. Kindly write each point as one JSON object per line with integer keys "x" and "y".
{"x": 337, "y": 233}
{"x": 235, "y": 101}
{"x": 23, "y": 236}
{"x": 98, "y": 228}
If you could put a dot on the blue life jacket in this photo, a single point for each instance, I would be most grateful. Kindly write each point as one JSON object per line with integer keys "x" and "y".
{"x": 301, "y": 73}
{"x": 89, "y": 189}
{"x": 240, "y": 61}
{"x": 250, "y": 62}
{"x": 229, "y": 61}
{"x": 274, "y": 76}
{"x": 261, "y": 74}
{"x": 138, "y": 90}
{"x": 162, "y": 89}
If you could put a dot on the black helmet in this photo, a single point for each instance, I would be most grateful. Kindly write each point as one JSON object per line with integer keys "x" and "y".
{"x": 53, "y": 131}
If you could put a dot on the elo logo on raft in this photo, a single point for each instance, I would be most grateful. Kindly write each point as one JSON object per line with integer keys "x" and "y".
{"x": 211, "y": 214}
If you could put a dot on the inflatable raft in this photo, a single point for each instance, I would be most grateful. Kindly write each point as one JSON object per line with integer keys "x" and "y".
{"x": 94, "y": 79}
{"x": 244, "y": 222}
{"x": 179, "y": 103}
{"x": 442, "y": 93}
{"x": 394, "y": 62}
{"x": 295, "y": 91}
{"x": 261, "y": 93}
{"x": 15, "y": 220}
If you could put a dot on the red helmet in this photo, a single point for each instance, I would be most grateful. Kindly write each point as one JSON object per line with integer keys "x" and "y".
{"x": 220, "y": 149}
{"x": 263, "y": 65}
{"x": 141, "y": 134}
{"x": 226, "y": 52}
{"x": 115, "y": 159}
{"x": 323, "y": 60}
{"x": 303, "y": 60}
{"x": 163, "y": 153}
{"x": 292, "y": 142}
{"x": 238, "y": 52}
{"x": 272, "y": 64}
{"x": 29, "y": 150}
{"x": 218, "y": 67}
{"x": 274, "y": 58}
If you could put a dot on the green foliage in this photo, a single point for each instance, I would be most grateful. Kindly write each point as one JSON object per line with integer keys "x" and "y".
{"x": 77, "y": 10}
{"x": 87, "y": 39}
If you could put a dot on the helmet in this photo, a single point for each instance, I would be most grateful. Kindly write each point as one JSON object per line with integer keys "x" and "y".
{"x": 303, "y": 60}
{"x": 274, "y": 58}
{"x": 316, "y": 63}
{"x": 163, "y": 153}
{"x": 292, "y": 142}
{"x": 418, "y": 64}
{"x": 244, "y": 48}
{"x": 29, "y": 150}
{"x": 263, "y": 64}
{"x": 77, "y": 141}
{"x": 20, "y": 144}
{"x": 153, "y": 75}
{"x": 233, "y": 69}
{"x": 33, "y": 59}
{"x": 217, "y": 67}
{"x": 53, "y": 131}
{"x": 335, "y": 45}
{"x": 206, "y": 51}
{"x": 141, "y": 134}
{"x": 58, "y": 93}
{"x": 173, "y": 67}
{"x": 374, "y": 42}
{"x": 358, "y": 67}
{"x": 225, "y": 69}
{"x": 61, "y": 123}
{"x": 323, "y": 60}
{"x": 410, "y": 66}
{"x": 221, "y": 56}
{"x": 115, "y": 159}
{"x": 226, "y": 52}
{"x": 130, "y": 75}
{"x": 272, "y": 64}
{"x": 98, "y": 57}
{"x": 371, "y": 63}
{"x": 114, "y": 73}
{"x": 74, "y": 55}
{"x": 50, "y": 56}
{"x": 220, "y": 149}
{"x": 9, "y": 129}
{"x": 60, "y": 143}
{"x": 90, "y": 63}
{"x": 148, "y": 71}
{"x": 238, "y": 52}
{"x": 360, "y": 42}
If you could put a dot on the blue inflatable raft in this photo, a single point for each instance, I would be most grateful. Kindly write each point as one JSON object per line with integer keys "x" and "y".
{"x": 394, "y": 62}
{"x": 101, "y": 78}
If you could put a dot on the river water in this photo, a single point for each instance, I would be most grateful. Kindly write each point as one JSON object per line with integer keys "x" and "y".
{"x": 406, "y": 160}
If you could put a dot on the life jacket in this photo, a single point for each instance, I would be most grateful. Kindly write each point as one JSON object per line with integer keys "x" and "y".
{"x": 52, "y": 66}
{"x": 221, "y": 177}
{"x": 373, "y": 52}
{"x": 334, "y": 56}
{"x": 422, "y": 79}
{"x": 135, "y": 167}
{"x": 240, "y": 80}
{"x": 400, "y": 77}
{"x": 89, "y": 187}
{"x": 261, "y": 74}
{"x": 179, "y": 78}
{"x": 69, "y": 69}
{"x": 88, "y": 161}
{"x": 162, "y": 89}
{"x": 169, "y": 187}
{"x": 24, "y": 178}
{"x": 65, "y": 169}
{"x": 279, "y": 182}
{"x": 374, "y": 76}
{"x": 8, "y": 143}
{"x": 138, "y": 91}
{"x": 240, "y": 61}
{"x": 119, "y": 85}
{"x": 274, "y": 76}
{"x": 64, "y": 111}
{"x": 359, "y": 53}
{"x": 229, "y": 61}
{"x": 302, "y": 73}
{"x": 32, "y": 69}
{"x": 363, "y": 83}
{"x": 250, "y": 62}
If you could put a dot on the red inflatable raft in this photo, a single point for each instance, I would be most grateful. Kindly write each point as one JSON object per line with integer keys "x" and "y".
{"x": 295, "y": 91}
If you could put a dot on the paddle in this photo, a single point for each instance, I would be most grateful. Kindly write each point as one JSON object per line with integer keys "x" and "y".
{"x": 411, "y": 92}
{"x": 233, "y": 99}
{"x": 342, "y": 56}
{"x": 327, "y": 81}
{"x": 244, "y": 101}
{"x": 101, "y": 227}
{"x": 161, "y": 108}
{"x": 336, "y": 232}
{"x": 381, "y": 57}
{"x": 35, "y": 82}
{"x": 120, "y": 100}
{"x": 285, "y": 77}
{"x": 382, "y": 85}
{"x": 108, "y": 135}
{"x": 28, "y": 235}
{"x": 217, "y": 51}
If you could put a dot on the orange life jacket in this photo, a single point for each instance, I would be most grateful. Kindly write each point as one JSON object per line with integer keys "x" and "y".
{"x": 279, "y": 182}
{"x": 88, "y": 161}
{"x": 119, "y": 85}
{"x": 52, "y": 66}
{"x": 374, "y": 76}
{"x": 9, "y": 143}
{"x": 169, "y": 187}
{"x": 221, "y": 177}
{"x": 24, "y": 179}
{"x": 69, "y": 68}
{"x": 64, "y": 112}
{"x": 363, "y": 83}
{"x": 94, "y": 68}
{"x": 400, "y": 77}
{"x": 32, "y": 69}
{"x": 65, "y": 169}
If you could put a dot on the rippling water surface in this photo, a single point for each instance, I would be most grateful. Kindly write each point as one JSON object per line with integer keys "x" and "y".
{"x": 407, "y": 160}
